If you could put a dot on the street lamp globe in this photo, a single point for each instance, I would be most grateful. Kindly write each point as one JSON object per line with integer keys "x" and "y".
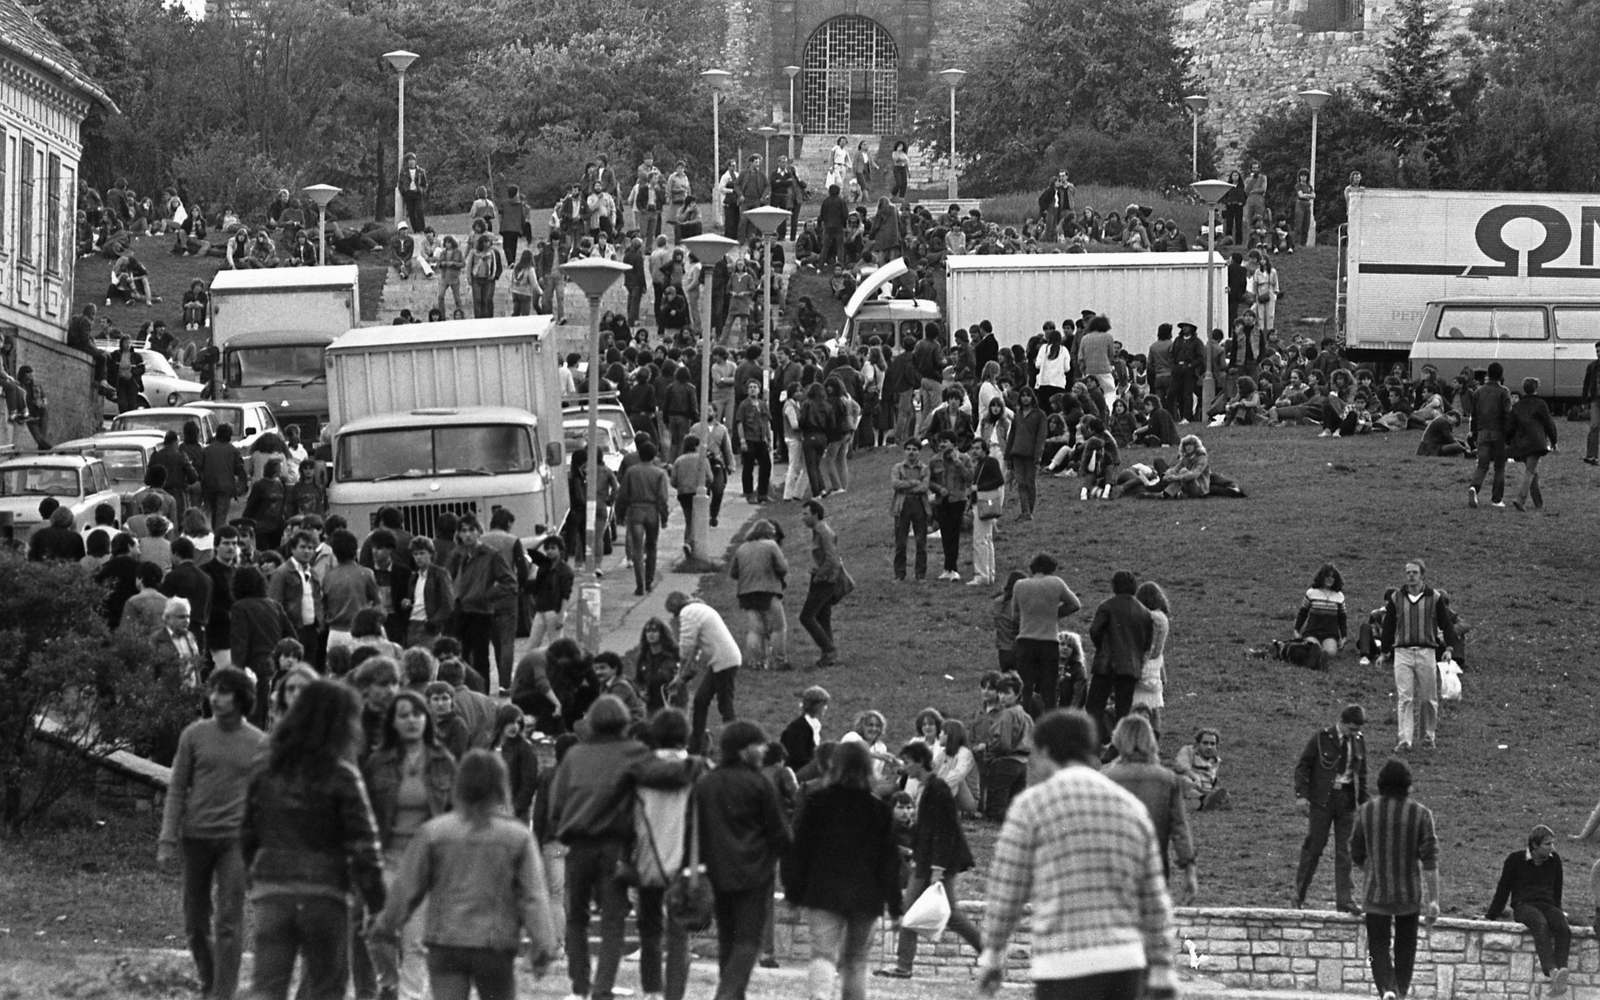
{"x": 952, "y": 77}
{"x": 1315, "y": 99}
{"x": 718, "y": 79}
{"x": 1197, "y": 103}
{"x": 400, "y": 59}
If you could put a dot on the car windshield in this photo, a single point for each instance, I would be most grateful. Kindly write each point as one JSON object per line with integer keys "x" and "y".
{"x": 417, "y": 452}
{"x": 267, "y": 366}
{"x": 233, "y": 416}
{"x": 123, "y": 465}
{"x": 39, "y": 481}
{"x": 135, "y": 420}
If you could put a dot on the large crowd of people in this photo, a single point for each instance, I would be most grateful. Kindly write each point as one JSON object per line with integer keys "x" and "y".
{"x": 370, "y": 764}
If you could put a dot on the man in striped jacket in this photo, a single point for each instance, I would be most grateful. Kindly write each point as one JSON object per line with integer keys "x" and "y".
{"x": 1418, "y": 623}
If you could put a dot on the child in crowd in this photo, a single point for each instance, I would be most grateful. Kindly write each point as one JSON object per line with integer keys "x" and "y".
{"x": 1007, "y": 750}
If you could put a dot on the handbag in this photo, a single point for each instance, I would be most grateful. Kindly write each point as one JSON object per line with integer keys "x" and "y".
{"x": 689, "y": 898}
{"x": 844, "y": 586}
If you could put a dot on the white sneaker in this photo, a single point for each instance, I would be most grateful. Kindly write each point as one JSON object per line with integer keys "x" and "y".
{"x": 1083, "y": 494}
{"x": 978, "y": 581}
{"x": 1325, "y": 434}
{"x": 1365, "y": 662}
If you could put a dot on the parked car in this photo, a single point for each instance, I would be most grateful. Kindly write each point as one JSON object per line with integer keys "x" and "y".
{"x": 248, "y": 420}
{"x": 163, "y": 386}
{"x": 126, "y": 456}
{"x": 575, "y": 435}
{"x": 168, "y": 418}
{"x": 80, "y": 482}
{"x": 575, "y": 427}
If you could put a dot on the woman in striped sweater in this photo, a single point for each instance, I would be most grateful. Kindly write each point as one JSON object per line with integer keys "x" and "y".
{"x": 1322, "y": 615}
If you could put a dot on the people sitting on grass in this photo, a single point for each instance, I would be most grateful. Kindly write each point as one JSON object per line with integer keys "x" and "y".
{"x": 1190, "y": 476}
{"x": 1322, "y": 614}
{"x": 1200, "y": 766}
{"x": 1158, "y": 430}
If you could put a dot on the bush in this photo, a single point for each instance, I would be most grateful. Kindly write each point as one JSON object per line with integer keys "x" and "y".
{"x": 61, "y": 668}
{"x": 227, "y": 168}
{"x": 1143, "y": 159}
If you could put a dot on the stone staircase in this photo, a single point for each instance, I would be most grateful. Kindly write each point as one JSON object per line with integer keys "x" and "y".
{"x": 814, "y": 156}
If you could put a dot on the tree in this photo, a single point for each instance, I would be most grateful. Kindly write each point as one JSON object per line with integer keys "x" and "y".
{"x": 1067, "y": 65}
{"x": 61, "y": 670}
{"x": 1349, "y": 137}
{"x": 1411, "y": 90}
{"x": 1529, "y": 92}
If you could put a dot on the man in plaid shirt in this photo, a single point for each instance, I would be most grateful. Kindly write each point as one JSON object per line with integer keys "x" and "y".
{"x": 1083, "y": 852}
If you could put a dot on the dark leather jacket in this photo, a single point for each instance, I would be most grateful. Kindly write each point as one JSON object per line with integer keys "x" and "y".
{"x": 312, "y": 836}
{"x": 383, "y": 774}
{"x": 1318, "y": 766}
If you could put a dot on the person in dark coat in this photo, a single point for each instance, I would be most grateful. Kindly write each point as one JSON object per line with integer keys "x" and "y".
{"x": 1531, "y": 437}
{"x": 222, "y": 475}
{"x": 1330, "y": 784}
{"x": 181, "y": 473}
{"x": 1491, "y": 419}
{"x": 190, "y": 582}
{"x": 801, "y": 737}
{"x": 742, "y": 836}
{"x": 1121, "y": 632}
{"x": 843, "y": 868}
{"x": 220, "y": 570}
{"x": 1159, "y": 429}
{"x": 939, "y": 853}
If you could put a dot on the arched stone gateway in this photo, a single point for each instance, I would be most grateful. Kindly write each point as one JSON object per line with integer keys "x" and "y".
{"x": 851, "y": 79}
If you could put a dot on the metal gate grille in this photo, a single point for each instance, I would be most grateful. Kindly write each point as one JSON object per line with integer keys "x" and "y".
{"x": 850, "y": 54}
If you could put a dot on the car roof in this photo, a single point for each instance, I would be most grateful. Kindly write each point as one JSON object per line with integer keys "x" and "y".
{"x": 112, "y": 439}
{"x": 224, "y": 404}
{"x": 48, "y": 460}
{"x": 163, "y": 411}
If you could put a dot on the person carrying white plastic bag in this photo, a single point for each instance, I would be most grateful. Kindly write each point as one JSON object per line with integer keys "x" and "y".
{"x": 930, "y": 913}
{"x": 939, "y": 853}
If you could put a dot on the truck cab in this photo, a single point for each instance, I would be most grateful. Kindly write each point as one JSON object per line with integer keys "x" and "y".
{"x": 283, "y": 370}
{"x": 457, "y": 417}
{"x": 464, "y": 460}
{"x": 270, "y": 328}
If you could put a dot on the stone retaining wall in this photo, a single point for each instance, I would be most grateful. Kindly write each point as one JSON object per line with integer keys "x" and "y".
{"x": 1299, "y": 950}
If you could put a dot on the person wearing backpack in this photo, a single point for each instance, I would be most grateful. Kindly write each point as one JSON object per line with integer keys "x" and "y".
{"x": 485, "y": 263}
{"x": 663, "y": 785}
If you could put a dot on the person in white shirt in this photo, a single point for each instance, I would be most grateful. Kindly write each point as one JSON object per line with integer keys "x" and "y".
{"x": 703, "y": 635}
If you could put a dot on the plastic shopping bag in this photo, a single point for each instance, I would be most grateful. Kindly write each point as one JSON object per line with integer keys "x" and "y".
{"x": 929, "y": 914}
{"x": 1449, "y": 680}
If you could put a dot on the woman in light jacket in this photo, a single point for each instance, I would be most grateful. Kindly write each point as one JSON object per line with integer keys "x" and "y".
{"x": 480, "y": 872}
{"x": 1264, "y": 295}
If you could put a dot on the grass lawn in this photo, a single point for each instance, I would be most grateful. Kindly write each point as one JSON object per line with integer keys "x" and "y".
{"x": 170, "y": 276}
{"x": 1517, "y": 751}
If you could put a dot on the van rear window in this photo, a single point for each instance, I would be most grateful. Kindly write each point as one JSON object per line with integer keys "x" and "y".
{"x": 1491, "y": 324}
{"x": 1578, "y": 324}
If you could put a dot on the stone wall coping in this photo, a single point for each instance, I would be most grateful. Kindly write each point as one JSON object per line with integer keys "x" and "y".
{"x": 1267, "y": 915}
{"x": 121, "y": 762}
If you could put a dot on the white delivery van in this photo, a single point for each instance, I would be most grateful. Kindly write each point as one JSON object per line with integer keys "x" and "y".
{"x": 271, "y": 326}
{"x": 1018, "y": 293}
{"x": 463, "y": 416}
{"x": 1551, "y": 340}
{"x": 1407, "y": 249}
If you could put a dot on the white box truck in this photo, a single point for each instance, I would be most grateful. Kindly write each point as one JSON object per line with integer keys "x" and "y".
{"x": 270, "y": 327}
{"x": 463, "y": 416}
{"x": 1409, "y": 248}
{"x": 1017, "y": 293}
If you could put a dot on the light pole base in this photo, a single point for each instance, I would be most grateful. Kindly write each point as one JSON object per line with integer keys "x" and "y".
{"x": 586, "y": 617}
{"x": 1208, "y": 395}
{"x": 699, "y": 540}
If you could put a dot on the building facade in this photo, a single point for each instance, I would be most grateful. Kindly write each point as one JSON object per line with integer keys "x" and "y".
{"x": 44, "y": 98}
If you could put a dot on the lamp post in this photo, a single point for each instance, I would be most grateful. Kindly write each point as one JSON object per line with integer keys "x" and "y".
{"x": 401, "y": 60}
{"x": 718, "y": 80}
{"x": 593, "y": 275}
{"x": 952, "y": 78}
{"x": 791, "y": 72}
{"x": 1210, "y": 192}
{"x": 1196, "y": 103}
{"x": 1314, "y": 99}
{"x": 766, "y": 132}
{"x": 708, "y": 249}
{"x": 322, "y": 194}
{"x": 767, "y": 219}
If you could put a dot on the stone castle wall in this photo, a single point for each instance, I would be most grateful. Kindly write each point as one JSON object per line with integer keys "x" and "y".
{"x": 1250, "y": 55}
